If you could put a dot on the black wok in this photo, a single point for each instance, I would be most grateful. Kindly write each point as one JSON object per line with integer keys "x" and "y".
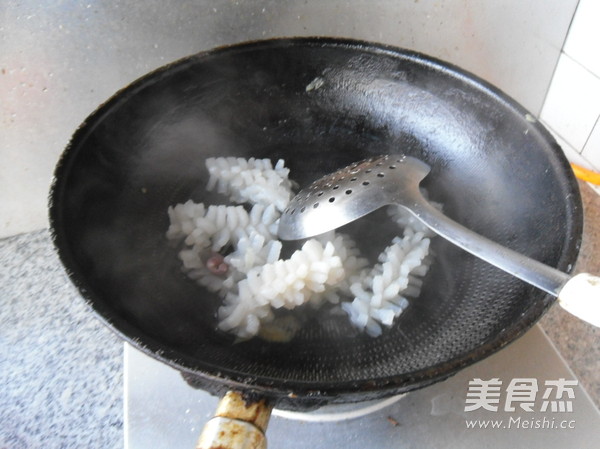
{"x": 495, "y": 169}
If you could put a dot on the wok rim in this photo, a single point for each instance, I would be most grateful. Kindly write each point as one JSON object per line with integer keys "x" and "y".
{"x": 291, "y": 389}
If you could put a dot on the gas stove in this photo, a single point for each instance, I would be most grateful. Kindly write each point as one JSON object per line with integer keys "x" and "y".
{"x": 523, "y": 396}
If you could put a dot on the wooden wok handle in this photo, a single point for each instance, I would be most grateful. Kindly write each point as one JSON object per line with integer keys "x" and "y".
{"x": 238, "y": 424}
{"x": 580, "y": 296}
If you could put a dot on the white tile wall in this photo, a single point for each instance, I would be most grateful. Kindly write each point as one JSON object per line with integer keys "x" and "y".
{"x": 583, "y": 43}
{"x": 572, "y": 106}
{"x": 591, "y": 150}
{"x": 572, "y": 154}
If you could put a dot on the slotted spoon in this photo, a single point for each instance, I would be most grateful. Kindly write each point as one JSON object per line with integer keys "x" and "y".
{"x": 363, "y": 187}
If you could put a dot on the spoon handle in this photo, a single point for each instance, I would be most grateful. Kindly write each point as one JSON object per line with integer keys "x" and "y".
{"x": 579, "y": 295}
{"x": 531, "y": 271}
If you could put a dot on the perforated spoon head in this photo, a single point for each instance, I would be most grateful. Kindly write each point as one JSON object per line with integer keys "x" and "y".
{"x": 351, "y": 193}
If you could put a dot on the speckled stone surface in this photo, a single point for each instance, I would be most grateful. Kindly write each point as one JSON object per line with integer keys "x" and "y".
{"x": 577, "y": 341}
{"x": 61, "y": 383}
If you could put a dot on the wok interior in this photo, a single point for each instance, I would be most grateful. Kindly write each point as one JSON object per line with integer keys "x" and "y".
{"x": 492, "y": 169}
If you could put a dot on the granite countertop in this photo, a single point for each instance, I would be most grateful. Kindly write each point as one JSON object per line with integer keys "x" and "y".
{"x": 61, "y": 370}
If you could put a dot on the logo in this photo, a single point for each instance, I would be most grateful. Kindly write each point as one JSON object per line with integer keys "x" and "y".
{"x": 523, "y": 396}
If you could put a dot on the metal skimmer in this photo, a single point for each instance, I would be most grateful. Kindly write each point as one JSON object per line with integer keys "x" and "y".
{"x": 365, "y": 186}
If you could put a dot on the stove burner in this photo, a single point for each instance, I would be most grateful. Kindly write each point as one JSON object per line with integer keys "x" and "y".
{"x": 339, "y": 412}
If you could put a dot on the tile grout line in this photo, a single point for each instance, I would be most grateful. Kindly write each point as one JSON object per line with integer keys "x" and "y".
{"x": 590, "y": 134}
